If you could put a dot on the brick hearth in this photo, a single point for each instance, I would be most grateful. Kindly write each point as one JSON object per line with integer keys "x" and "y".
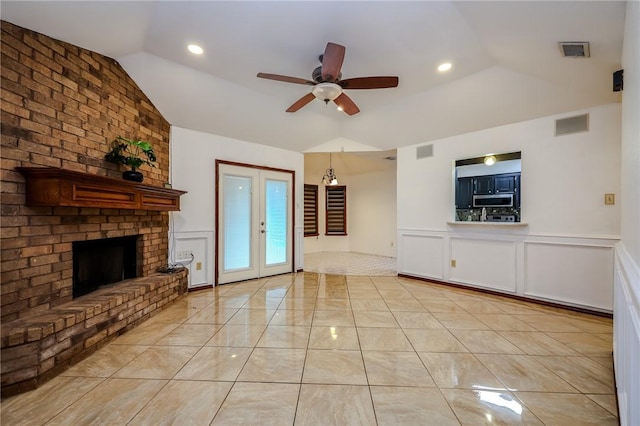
{"x": 40, "y": 346}
{"x": 62, "y": 106}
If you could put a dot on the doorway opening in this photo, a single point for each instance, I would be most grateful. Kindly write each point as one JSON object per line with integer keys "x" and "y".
{"x": 367, "y": 244}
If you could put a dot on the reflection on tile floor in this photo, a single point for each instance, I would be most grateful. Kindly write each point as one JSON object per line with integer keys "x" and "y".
{"x": 350, "y": 263}
{"x": 318, "y": 349}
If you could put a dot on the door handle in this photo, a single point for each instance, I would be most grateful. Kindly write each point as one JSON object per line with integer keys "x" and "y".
{"x": 262, "y": 231}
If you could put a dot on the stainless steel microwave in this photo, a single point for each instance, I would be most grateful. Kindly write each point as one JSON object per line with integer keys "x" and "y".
{"x": 495, "y": 200}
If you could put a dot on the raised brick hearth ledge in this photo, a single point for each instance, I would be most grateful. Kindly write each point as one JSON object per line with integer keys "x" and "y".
{"x": 39, "y": 347}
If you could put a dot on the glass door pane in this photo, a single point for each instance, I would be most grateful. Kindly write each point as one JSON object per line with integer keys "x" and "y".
{"x": 276, "y": 221}
{"x": 238, "y": 236}
{"x": 276, "y": 207}
{"x": 237, "y": 223}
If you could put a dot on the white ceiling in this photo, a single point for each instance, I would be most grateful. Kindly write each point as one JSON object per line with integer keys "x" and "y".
{"x": 506, "y": 63}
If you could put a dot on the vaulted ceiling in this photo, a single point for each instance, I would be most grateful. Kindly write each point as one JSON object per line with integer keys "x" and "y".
{"x": 507, "y": 66}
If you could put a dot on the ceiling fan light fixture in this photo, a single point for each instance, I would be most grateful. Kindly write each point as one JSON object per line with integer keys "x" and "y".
{"x": 326, "y": 91}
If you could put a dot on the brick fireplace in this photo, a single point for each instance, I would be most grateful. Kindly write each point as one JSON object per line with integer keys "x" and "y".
{"x": 62, "y": 106}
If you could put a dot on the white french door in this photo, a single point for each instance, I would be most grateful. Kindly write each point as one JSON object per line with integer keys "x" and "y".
{"x": 254, "y": 233}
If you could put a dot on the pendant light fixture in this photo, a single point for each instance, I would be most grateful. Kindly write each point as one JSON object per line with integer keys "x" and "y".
{"x": 330, "y": 177}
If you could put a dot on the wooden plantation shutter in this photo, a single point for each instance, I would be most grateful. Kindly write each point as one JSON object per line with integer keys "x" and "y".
{"x": 310, "y": 210}
{"x": 336, "y": 214}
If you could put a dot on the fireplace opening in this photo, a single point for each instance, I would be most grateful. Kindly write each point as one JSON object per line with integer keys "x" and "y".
{"x": 98, "y": 263}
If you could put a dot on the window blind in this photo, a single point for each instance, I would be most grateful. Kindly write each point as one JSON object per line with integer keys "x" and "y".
{"x": 310, "y": 210}
{"x": 336, "y": 210}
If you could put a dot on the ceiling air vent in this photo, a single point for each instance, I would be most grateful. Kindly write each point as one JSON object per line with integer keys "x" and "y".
{"x": 424, "y": 151}
{"x": 574, "y": 49}
{"x": 576, "y": 124}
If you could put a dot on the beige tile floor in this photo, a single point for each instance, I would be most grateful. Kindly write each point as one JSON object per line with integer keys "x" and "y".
{"x": 316, "y": 349}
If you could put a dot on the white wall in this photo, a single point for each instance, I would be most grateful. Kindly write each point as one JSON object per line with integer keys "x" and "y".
{"x": 193, "y": 156}
{"x": 626, "y": 338}
{"x": 373, "y": 213}
{"x": 631, "y": 133}
{"x": 371, "y": 203}
{"x": 564, "y": 180}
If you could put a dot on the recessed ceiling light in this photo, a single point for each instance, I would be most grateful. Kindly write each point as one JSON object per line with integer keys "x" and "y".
{"x": 444, "y": 67}
{"x": 340, "y": 108}
{"x": 195, "y": 49}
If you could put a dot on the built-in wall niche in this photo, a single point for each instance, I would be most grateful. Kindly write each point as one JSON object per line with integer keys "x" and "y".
{"x": 488, "y": 188}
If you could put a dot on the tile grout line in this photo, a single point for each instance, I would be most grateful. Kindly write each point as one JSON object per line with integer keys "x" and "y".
{"x": 364, "y": 364}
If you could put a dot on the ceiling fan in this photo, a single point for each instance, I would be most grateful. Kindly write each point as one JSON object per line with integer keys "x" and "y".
{"x": 327, "y": 85}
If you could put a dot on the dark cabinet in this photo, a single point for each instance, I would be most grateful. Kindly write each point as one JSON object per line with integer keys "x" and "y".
{"x": 493, "y": 185}
{"x": 464, "y": 193}
{"x": 483, "y": 185}
{"x": 504, "y": 183}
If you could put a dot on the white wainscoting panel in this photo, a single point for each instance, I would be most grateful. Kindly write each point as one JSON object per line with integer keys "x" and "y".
{"x": 626, "y": 336}
{"x": 484, "y": 263}
{"x": 420, "y": 255}
{"x": 578, "y": 274}
{"x": 201, "y": 245}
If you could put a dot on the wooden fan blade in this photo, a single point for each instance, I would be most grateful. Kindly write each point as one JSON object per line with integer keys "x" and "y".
{"x": 301, "y": 102}
{"x": 332, "y": 62}
{"x": 369, "y": 83}
{"x": 285, "y": 78}
{"x": 347, "y": 105}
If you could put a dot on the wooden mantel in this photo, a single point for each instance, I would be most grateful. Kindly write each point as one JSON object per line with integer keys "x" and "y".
{"x": 52, "y": 186}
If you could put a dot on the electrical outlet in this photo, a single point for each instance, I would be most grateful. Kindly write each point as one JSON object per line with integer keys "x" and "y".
{"x": 453, "y": 263}
{"x": 609, "y": 198}
{"x": 184, "y": 255}
{"x": 198, "y": 266}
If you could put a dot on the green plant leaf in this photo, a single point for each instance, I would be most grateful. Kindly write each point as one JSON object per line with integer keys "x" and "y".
{"x": 127, "y": 152}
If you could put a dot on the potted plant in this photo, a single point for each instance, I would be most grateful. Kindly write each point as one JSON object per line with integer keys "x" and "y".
{"x": 133, "y": 153}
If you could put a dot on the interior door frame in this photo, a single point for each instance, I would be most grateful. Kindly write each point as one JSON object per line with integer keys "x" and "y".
{"x": 217, "y": 206}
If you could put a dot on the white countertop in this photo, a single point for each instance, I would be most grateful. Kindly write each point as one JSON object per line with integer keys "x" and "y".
{"x": 476, "y": 223}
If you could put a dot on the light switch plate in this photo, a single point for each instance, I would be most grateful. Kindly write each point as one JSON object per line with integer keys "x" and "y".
{"x": 609, "y": 198}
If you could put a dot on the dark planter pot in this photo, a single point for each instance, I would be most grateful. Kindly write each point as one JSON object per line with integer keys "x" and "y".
{"x": 132, "y": 175}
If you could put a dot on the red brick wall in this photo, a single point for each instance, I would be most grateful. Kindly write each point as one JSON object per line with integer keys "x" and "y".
{"x": 62, "y": 106}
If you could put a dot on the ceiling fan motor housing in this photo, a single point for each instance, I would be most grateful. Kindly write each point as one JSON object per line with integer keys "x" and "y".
{"x": 316, "y": 75}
